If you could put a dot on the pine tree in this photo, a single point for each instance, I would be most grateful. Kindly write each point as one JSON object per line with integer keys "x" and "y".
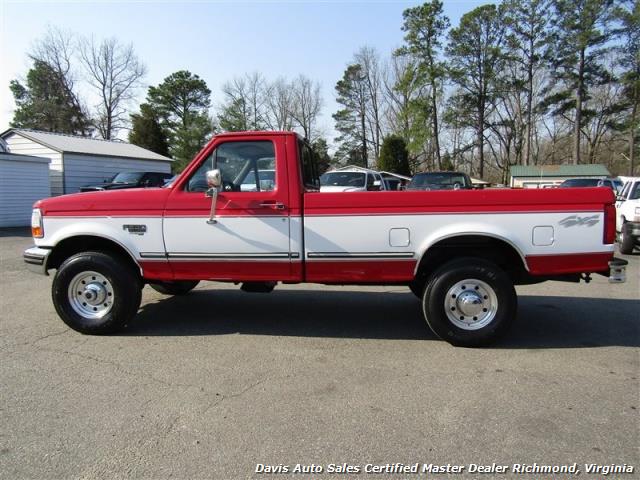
{"x": 182, "y": 104}
{"x": 394, "y": 156}
{"x": 146, "y": 131}
{"x": 44, "y": 103}
{"x": 424, "y": 26}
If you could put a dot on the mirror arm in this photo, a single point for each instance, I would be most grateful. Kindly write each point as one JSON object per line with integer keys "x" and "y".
{"x": 213, "y": 193}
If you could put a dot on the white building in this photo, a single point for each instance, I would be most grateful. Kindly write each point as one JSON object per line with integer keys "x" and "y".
{"x": 23, "y": 180}
{"x": 78, "y": 161}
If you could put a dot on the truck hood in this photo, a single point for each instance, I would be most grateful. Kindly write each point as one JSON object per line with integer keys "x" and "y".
{"x": 108, "y": 186}
{"x": 133, "y": 202}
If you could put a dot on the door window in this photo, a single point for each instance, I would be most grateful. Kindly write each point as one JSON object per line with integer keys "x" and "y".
{"x": 244, "y": 166}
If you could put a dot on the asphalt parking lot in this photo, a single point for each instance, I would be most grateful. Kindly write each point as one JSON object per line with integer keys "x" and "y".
{"x": 213, "y": 383}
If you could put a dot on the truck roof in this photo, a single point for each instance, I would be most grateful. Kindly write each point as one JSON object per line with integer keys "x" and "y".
{"x": 259, "y": 132}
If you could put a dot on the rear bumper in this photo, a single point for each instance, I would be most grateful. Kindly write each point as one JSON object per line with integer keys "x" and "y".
{"x": 618, "y": 270}
{"x": 36, "y": 259}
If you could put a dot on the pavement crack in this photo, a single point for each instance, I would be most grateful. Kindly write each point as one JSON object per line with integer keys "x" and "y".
{"x": 39, "y": 339}
{"x": 121, "y": 369}
{"x": 223, "y": 397}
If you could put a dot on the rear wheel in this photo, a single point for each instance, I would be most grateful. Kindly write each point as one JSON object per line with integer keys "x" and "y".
{"x": 469, "y": 302}
{"x": 96, "y": 293}
{"x": 626, "y": 240}
{"x": 179, "y": 287}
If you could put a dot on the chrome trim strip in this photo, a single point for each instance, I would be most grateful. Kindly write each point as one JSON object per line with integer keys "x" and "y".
{"x": 360, "y": 255}
{"x": 153, "y": 255}
{"x": 232, "y": 256}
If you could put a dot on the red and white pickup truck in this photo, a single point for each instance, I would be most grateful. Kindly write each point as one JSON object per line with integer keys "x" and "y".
{"x": 460, "y": 251}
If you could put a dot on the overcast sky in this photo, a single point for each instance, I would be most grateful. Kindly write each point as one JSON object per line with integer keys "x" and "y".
{"x": 216, "y": 40}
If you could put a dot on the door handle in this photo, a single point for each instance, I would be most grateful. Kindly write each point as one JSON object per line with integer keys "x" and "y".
{"x": 273, "y": 205}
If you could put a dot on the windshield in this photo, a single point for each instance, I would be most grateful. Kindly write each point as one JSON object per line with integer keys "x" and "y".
{"x": 127, "y": 177}
{"x": 635, "y": 193}
{"x": 581, "y": 182}
{"x": 439, "y": 179}
{"x": 343, "y": 179}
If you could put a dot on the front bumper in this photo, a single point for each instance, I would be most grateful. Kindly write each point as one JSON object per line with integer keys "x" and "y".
{"x": 36, "y": 259}
{"x": 634, "y": 229}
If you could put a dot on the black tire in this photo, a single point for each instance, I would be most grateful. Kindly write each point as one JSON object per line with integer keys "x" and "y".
{"x": 466, "y": 287}
{"x": 626, "y": 240}
{"x": 116, "y": 287}
{"x": 180, "y": 287}
{"x": 417, "y": 287}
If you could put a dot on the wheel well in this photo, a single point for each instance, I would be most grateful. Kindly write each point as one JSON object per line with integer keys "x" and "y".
{"x": 85, "y": 243}
{"x": 488, "y": 248}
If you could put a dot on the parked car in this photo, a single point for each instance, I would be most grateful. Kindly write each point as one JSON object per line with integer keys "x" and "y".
{"x": 613, "y": 183}
{"x": 267, "y": 181}
{"x": 440, "y": 181}
{"x": 628, "y": 215}
{"x": 130, "y": 180}
{"x": 351, "y": 180}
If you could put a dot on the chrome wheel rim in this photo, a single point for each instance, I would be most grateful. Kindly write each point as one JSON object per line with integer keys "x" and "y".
{"x": 471, "y": 304}
{"x": 90, "y": 295}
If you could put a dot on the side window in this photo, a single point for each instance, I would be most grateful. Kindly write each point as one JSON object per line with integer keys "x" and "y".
{"x": 245, "y": 167}
{"x": 625, "y": 189}
{"x": 370, "y": 181}
{"x": 310, "y": 177}
{"x": 379, "y": 179}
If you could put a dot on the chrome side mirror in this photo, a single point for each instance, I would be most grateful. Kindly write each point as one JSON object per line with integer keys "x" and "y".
{"x": 214, "y": 181}
{"x": 214, "y": 178}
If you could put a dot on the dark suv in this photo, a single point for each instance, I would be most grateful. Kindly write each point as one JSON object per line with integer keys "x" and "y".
{"x": 613, "y": 183}
{"x": 130, "y": 180}
{"x": 440, "y": 181}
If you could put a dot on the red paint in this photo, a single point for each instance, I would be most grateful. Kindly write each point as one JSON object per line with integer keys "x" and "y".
{"x": 237, "y": 271}
{"x": 609, "y": 224}
{"x": 372, "y": 271}
{"x": 139, "y": 202}
{"x": 568, "y": 263}
{"x": 458, "y": 202}
{"x": 156, "y": 270}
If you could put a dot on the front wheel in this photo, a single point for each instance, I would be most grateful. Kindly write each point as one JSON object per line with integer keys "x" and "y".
{"x": 626, "y": 240}
{"x": 469, "y": 302}
{"x": 96, "y": 293}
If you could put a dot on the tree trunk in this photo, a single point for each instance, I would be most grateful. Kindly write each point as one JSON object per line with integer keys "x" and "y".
{"x": 527, "y": 153}
{"x": 365, "y": 161}
{"x": 579, "y": 99}
{"x": 436, "y": 139}
{"x": 480, "y": 136}
{"x": 632, "y": 130}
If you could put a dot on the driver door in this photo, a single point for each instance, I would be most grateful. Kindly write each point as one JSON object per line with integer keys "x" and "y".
{"x": 249, "y": 240}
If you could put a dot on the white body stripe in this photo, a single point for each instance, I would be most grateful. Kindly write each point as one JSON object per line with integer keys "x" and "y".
{"x": 363, "y": 236}
{"x": 371, "y": 233}
{"x": 57, "y": 229}
{"x": 242, "y": 235}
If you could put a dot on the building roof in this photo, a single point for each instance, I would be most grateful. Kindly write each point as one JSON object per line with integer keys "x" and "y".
{"x": 64, "y": 143}
{"x": 16, "y": 157}
{"x": 590, "y": 170}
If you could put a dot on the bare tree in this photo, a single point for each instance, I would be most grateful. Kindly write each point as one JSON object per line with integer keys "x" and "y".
{"x": 369, "y": 59}
{"x": 307, "y": 104}
{"x": 115, "y": 72}
{"x": 245, "y": 103}
{"x": 279, "y": 105}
